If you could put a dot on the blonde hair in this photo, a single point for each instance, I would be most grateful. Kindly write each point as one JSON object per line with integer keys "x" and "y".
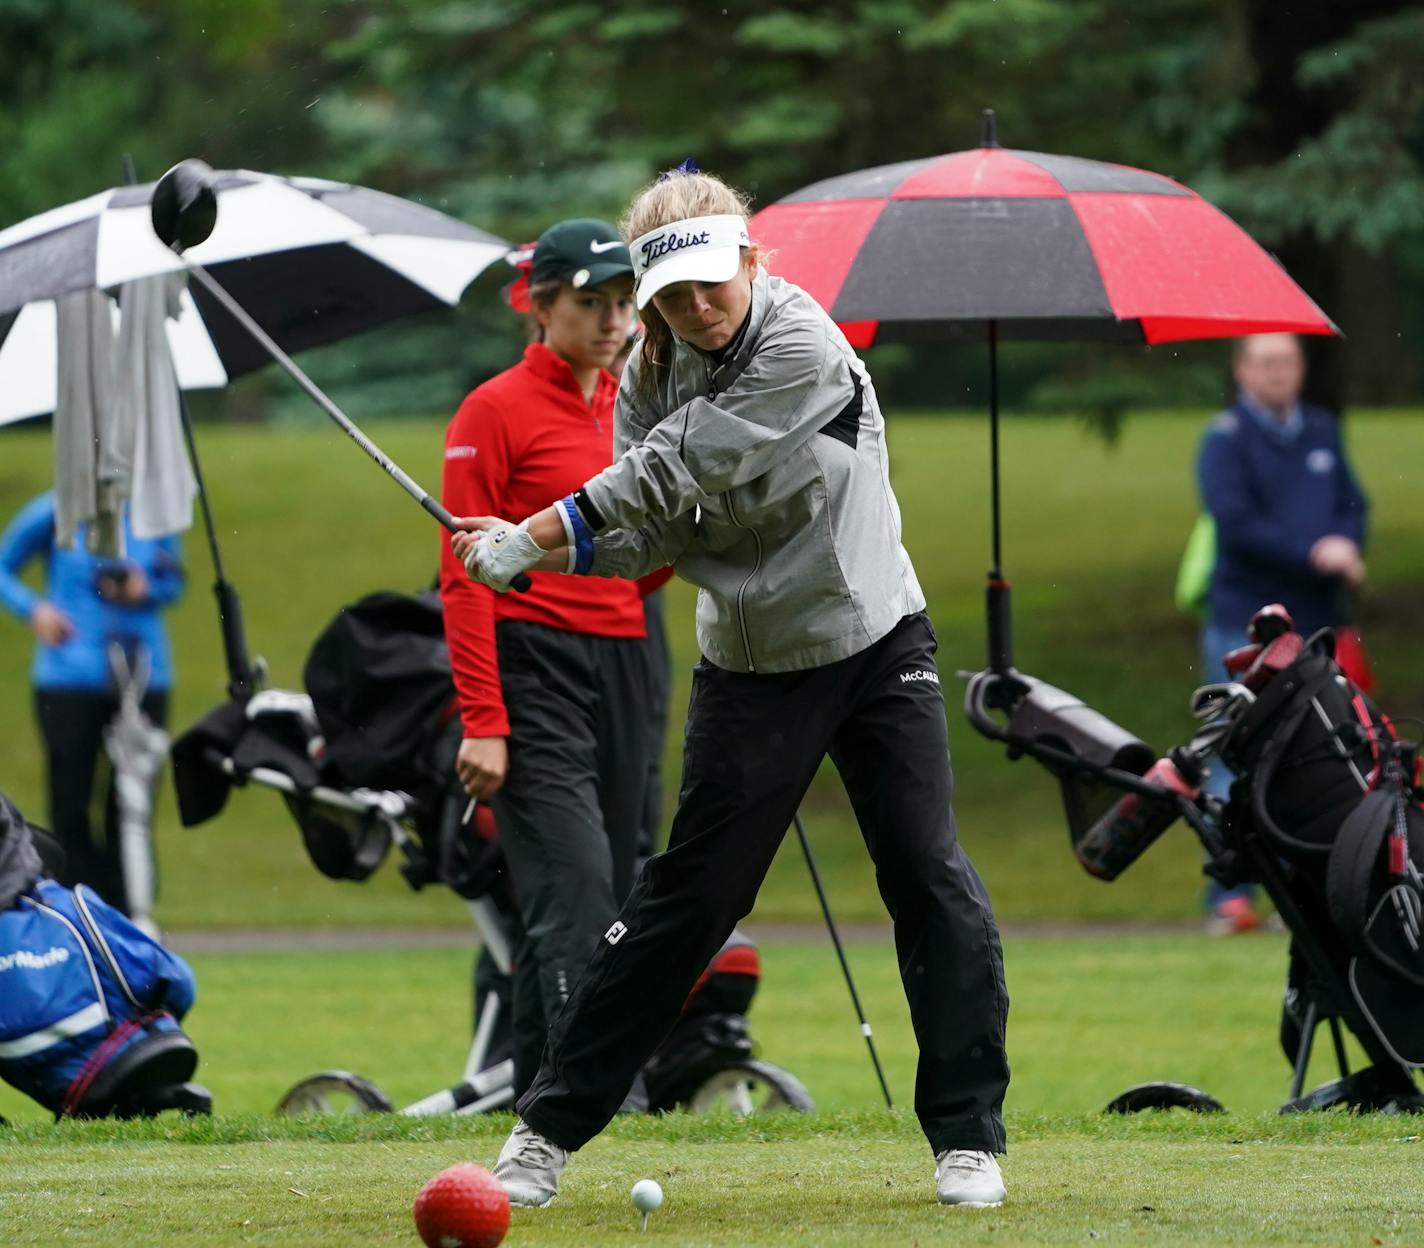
{"x": 674, "y": 196}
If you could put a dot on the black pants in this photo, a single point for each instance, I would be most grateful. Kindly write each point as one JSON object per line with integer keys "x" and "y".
{"x": 753, "y": 745}
{"x": 83, "y": 808}
{"x": 570, "y": 809}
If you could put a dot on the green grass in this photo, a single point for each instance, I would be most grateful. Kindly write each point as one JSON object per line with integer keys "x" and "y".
{"x": 1092, "y": 537}
{"x": 858, "y": 1182}
{"x": 1089, "y": 1017}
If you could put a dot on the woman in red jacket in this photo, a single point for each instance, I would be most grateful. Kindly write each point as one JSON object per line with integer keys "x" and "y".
{"x": 554, "y": 684}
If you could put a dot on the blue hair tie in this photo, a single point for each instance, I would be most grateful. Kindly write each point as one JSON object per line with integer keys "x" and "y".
{"x": 689, "y": 165}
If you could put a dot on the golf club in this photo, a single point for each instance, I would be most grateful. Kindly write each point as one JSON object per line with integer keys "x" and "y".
{"x": 184, "y": 212}
{"x": 840, "y": 953}
{"x": 244, "y": 677}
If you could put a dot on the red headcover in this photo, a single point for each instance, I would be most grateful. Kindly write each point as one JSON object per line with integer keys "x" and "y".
{"x": 1256, "y": 666}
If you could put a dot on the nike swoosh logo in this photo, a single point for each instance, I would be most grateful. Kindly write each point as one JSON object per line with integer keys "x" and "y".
{"x": 599, "y": 248}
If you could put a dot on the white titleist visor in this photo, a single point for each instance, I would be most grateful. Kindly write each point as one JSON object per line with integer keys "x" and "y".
{"x": 699, "y": 249}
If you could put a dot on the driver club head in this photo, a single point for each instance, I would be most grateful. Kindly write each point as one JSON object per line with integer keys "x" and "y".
{"x": 184, "y": 208}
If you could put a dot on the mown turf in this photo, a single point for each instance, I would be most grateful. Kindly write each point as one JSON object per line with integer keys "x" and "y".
{"x": 1089, "y": 1016}
{"x": 848, "y": 1180}
{"x": 1092, "y": 538}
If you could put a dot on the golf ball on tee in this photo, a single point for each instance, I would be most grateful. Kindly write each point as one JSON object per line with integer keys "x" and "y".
{"x": 647, "y": 1195}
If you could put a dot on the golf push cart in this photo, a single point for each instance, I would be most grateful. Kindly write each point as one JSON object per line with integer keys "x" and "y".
{"x": 364, "y": 759}
{"x": 1324, "y": 813}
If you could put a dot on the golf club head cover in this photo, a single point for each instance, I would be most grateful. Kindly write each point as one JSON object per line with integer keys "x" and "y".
{"x": 1255, "y": 666}
{"x": 1270, "y": 622}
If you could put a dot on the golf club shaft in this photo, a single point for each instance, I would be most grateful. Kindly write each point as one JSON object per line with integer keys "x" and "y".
{"x": 319, "y": 397}
{"x": 840, "y": 953}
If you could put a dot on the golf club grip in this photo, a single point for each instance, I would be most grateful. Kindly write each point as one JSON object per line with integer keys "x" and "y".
{"x": 521, "y": 583}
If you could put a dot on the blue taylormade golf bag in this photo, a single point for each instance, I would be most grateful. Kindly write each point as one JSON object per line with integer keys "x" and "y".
{"x": 89, "y": 1005}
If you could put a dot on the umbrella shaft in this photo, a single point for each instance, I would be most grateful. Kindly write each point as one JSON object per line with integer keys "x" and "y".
{"x": 211, "y": 529}
{"x": 997, "y": 573}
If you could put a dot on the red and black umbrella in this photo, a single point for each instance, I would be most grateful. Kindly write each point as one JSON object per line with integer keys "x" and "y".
{"x": 995, "y": 243}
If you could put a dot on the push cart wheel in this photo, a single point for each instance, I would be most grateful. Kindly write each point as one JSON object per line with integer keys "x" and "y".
{"x": 750, "y": 1087}
{"x": 334, "y": 1092}
{"x": 1164, "y": 1096}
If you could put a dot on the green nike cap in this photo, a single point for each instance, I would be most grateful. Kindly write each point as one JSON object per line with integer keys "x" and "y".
{"x": 583, "y": 252}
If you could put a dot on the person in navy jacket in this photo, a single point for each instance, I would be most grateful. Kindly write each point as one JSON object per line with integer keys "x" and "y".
{"x": 1290, "y": 519}
{"x": 88, "y": 604}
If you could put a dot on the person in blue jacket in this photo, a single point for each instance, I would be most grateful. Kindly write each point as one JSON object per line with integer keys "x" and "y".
{"x": 1290, "y": 522}
{"x": 88, "y": 605}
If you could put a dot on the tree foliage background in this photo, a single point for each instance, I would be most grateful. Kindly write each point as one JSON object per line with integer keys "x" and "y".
{"x": 1304, "y": 121}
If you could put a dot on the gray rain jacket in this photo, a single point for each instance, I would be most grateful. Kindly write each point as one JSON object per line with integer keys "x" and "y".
{"x": 764, "y": 479}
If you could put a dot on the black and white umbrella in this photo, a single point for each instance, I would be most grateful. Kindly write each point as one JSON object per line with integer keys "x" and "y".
{"x": 313, "y": 261}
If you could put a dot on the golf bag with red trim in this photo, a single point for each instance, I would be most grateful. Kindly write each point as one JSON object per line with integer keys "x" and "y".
{"x": 90, "y": 1006}
{"x": 1326, "y": 811}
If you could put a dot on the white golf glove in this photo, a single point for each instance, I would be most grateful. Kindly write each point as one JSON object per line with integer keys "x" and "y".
{"x": 501, "y": 554}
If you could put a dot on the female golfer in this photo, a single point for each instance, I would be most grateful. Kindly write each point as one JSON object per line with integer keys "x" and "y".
{"x": 757, "y": 467}
{"x": 547, "y": 680}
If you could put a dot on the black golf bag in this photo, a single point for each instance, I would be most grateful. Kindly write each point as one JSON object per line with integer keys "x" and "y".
{"x": 1324, "y": 813}
{"x": 380, "y": 685}
{"x": 379, "y": 716}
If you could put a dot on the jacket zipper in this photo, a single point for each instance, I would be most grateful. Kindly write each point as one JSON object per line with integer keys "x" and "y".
{"x": 742, "y": 592}
{"x": 83, "y": 948}
{"x": 756, "y": 537}
{"x": 103, "y": 947}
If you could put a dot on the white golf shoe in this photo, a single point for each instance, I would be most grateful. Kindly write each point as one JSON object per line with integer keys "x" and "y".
{"x": 529, "y": 1167}
{"x": 970, "y": 1179}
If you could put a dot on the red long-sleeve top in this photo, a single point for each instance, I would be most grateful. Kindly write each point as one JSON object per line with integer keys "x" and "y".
{"x": 519, "y": 442}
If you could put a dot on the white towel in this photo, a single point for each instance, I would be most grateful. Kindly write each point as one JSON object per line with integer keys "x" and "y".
{"x": 161, "y": 487}
{"x": 84, "y": 360}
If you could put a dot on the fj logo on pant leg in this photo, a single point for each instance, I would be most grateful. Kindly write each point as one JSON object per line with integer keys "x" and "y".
{"x": 615, "y": 933}
{"x": 923, "y": 674}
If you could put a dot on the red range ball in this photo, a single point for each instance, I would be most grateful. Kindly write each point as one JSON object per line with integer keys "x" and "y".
{"x": 462, "y": 1207}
